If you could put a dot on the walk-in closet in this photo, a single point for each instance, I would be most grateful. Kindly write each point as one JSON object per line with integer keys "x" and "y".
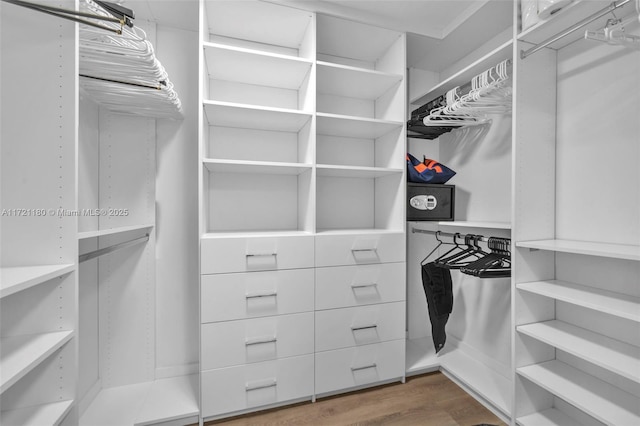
{"x": 213, "y": 210}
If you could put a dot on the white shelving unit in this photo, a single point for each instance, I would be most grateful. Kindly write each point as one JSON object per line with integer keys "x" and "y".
{"x": 38, "y": 269}
{"x": 575, "y": 308}
{"x": 314, "y": 145}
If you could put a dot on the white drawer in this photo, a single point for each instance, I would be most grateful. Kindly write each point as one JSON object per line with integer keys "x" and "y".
{"x": 229, "y": 343}
{"x": 237, "y": 388}
{"x": 354, "y": 249}
{"x": 362, "y": 365}
{"x": 259, "y": 253}
{"x": 256, "y": 294}
{"x": 362, "y": 325}
{"x": 343, "y": 286}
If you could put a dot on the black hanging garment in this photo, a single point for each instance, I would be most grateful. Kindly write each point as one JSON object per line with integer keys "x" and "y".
{"x": 436, "y": 282}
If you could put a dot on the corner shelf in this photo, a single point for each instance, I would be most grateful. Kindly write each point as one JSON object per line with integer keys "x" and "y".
{"x": 617, "y": 251}
{"x": 421, "y": 356}
{"x": 229, "y": 114}
{"x": 465, "y": 75}
{"x": 609, "y": 302}
{"x": 18, "y": 278}
{"x": 354, "y": 127}
{"x": 599, "y": 399}
{"x": 141, "y": 404}
{"x": 610, "y": 354}
{"x": 44, "y": 414}
{"x": 21, "y": 354}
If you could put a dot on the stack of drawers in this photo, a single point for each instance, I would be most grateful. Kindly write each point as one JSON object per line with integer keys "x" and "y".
{"x": 257, "y": 301}
{"x": 360, "y": 310}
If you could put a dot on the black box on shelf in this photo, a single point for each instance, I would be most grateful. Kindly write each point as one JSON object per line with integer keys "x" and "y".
{"x": 426, "y": 201}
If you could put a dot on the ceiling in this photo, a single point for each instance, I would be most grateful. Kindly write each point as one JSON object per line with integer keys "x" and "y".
{"x": 436, "y": 37}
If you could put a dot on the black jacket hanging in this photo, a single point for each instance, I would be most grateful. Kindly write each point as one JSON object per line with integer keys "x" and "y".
{"x": 436, "y": 282}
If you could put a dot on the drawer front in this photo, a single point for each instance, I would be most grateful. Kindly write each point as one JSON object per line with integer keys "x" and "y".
{"x": 237, "y": 388}
{"x": 343, "y": 286}
{"x": 357, "y": 249}
{"x": 224, "y": 255}
{"x": 362, "y": 325}
{"x": 362, "y": 365}
{"x": 229, "y": 343}
{"x": 256, "y": 294}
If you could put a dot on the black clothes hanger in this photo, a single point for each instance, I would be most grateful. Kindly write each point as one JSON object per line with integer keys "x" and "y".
{"x": 496, "y": 264}
{"x": 471, "y": 253}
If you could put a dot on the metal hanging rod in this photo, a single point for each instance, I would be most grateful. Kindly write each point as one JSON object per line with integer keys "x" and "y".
{"x": 613, "y": 6}
{"x": 100, "y": 252}
{"x": 449, "y": 234}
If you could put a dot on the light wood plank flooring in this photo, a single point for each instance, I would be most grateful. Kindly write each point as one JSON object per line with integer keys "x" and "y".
{"x": 430, "y": 400}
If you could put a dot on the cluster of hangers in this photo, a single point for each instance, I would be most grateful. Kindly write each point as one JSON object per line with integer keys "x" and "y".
{"x": 117, "y": 64}
{"x": 471, "y": 259}
{"x": 490, "y": 93}
{"x": 614, "y": 31}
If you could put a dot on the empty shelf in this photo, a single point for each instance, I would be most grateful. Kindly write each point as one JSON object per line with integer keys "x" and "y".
{"x": 18, "y": 278}
{"x": 227, "y": 114}
{"x": 595, "y": 397}
{"x": 162, "y": 400}
{"x": 45, "y": 414}
{"x": 255, "y": 167}
{"x": 617, "y": 251}
{"x": 355, "y": 172}
{"x": 421, "y": 356}
{"x": 21, "y": 354}
{"x": 351, "y": 82}
{"x": 255, "y": 67}
{"x": 550, "y": 417}
{"x": 613, "y": 355}
{"x": 611, "y": 303}
{"x": 354, "y": 127}
{"x": 112, "y": 231}
{"x": 471, "y": 224}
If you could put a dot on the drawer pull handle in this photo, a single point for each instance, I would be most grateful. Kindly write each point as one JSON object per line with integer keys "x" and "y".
{"x": 256, "y": 295}
{"x": 259, "y": 341}
{"x": 261, "y": 254}
{"x": 364, "y": 367}
{"x": 366, "y": 327}
{"x": 364, "y": 285}
{"x": 249, "y": 388}
{"x": 373, "y": 250}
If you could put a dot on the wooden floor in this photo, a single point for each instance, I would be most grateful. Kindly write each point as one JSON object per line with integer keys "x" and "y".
{"x": 429, "y": 400}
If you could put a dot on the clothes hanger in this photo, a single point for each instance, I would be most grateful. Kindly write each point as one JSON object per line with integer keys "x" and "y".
{"x": 495, "y": 264}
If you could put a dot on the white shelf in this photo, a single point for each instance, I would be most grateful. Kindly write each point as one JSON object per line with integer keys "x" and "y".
{"x": 21, "y": 354}
{"x": 595, "y": 397}
{"x": 611, "y": 303}
{"x": 494, "y": 387}
{"x": 163, "y": 400}
{"x": 354, "y": 127}
{"x": 250, "y": 66}
{"x": 550, "y": 417}
{"x": 617, "y": 251}
{"x": 613, "y": 355}
{"x": 17, "y": 278}
{"x": 246, "y": 234}
{"x": 352, "y": 82}
{"x": 38, "y": 415}
{"x": 355, "y": 172}
{"x": 255, "y": 167}
{"x": 362, "y": 231}
{"x": 112, "y": 231}
{"x": 568, "y": 16}
{"x": 464, "y": 76}
{"x": 470, "y": 224}
{"x": 421, "y": 356}
{"x": 228, "y": 114}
